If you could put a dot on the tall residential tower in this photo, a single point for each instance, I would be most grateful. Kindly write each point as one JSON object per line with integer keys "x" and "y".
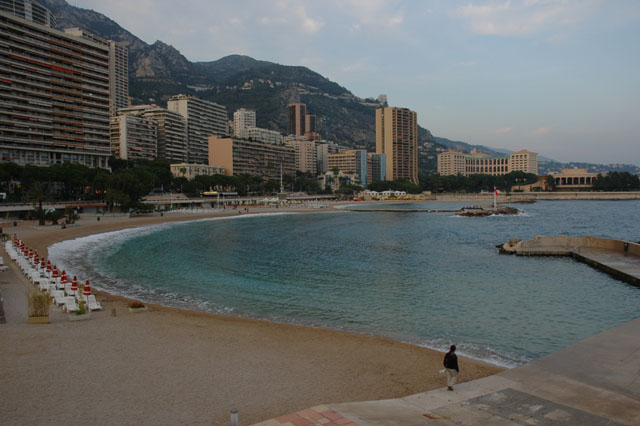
{"x": 397, "y": 138}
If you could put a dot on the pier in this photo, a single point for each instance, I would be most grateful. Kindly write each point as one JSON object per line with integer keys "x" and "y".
{"x": 620, "y": 259}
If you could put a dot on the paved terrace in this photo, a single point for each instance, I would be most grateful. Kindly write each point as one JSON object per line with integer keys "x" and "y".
{"x": 593, "y": 382}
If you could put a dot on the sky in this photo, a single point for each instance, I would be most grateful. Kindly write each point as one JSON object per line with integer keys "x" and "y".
{"x": 556, "y": 77}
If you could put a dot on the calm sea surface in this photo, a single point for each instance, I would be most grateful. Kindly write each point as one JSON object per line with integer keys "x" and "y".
{"x": 427, "y": 278}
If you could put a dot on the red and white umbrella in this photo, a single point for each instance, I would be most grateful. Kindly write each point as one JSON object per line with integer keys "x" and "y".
{"x": 87, "y": 290}
{"x": 54, "y": 273}
{"x": 74, "y": 284}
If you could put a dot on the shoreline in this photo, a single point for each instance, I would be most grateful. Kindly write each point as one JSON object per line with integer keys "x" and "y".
{"x": 279, "y": 368}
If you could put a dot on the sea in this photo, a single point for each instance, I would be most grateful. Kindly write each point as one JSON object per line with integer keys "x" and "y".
{"x": 429, "y": 279}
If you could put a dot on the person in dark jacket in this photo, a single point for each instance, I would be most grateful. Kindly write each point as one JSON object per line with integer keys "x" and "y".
{"x": 451, "y": 365}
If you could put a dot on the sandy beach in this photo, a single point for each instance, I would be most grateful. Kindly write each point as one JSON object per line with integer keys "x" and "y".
{"x": 170, "y": 366}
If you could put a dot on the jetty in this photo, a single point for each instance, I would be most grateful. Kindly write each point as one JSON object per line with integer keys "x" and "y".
{"x": 619, "y": 258}
{"x": 471, "y": 211}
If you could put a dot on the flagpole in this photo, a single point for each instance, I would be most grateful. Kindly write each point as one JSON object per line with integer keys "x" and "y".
{"x": 495, "y": 198}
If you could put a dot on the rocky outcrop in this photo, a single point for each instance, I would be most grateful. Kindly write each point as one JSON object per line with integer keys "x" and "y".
{"x": 478, "y": 211}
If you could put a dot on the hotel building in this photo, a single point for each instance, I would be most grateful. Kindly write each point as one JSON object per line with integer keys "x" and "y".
{"x": 397, "y": 138}
{"x": 456, "y": 163}
{"x": 203, "y": 119}
{"x": 240, "y": 156}
{"x": 301, "y": 123}
{"x": 54, "y": 91}
{"x": 133, "y": 137}
{"x": 351, "y": 162}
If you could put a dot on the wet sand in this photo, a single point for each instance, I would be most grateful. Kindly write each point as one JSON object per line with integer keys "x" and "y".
{"x": 171, "y": 366}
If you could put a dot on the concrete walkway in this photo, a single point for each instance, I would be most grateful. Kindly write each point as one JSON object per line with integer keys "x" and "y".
{"x": 593, "y": 382}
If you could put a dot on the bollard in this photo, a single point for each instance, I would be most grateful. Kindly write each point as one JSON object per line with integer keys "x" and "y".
{"x": 234, "y": 417}
{"x": 98, "y": 218}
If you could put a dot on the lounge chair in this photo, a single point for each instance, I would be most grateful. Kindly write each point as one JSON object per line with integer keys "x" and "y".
{"x": 70, "y": 304}
{"x": 59, "y": 297}
{"x": 93, "y": 304}
{"x": 67, "y": 290}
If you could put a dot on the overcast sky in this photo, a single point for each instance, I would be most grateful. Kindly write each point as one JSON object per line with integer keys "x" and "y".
{"x": 557, "y": 77}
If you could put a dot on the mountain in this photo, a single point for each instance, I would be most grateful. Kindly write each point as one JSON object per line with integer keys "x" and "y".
{"x": 157, "y": 71}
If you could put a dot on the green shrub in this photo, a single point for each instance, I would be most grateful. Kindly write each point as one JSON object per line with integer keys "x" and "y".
{"x": 39, "y": 303}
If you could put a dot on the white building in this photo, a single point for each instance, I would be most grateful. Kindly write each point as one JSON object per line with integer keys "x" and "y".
{"x": 242, "y": 119}
{"x": 204, "y": 119}
{"x": 260, "y": 135}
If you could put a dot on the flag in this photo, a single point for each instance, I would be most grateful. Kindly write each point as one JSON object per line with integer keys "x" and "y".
{"x": 495, "y": 191}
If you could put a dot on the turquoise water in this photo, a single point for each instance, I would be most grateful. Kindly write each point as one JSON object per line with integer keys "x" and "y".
{"x": 427, "y": 278}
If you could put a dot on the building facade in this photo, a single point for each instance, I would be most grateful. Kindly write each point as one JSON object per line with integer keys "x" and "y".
{"x": 54, "y": 91}
{"x": 376, "y": 167}
{"x": 574, "y": 179}
{"x": 133, "y": 137}
{"x": 241, "y": 156}
{"x": 204, "y": 119}
{"x": 118, "y": 69}
{"x": 306, "y": 155}
{"x": 457, "y": 163}
{"x": 297, "y": 117}
{"x": 261, "y": 135}
{"x": 397, "y": 138}
{"x": 351, "y": 162}
{"x": 171, "y": 131}
{"x": 242, "y": 119}
{"x": 190, "y": 171}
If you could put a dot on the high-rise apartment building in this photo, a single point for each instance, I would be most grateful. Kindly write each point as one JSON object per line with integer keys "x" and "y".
{"x": 297, "y": 117}
{"x": 457, "y": 163}
{"x": 133, "y": 137}
{"x": 118, "y": 69}
{"x": 204, "y": 119}
{"x": 54, "y": 91}
{"x": 242, "y": 119}
{"x": 397, "y": 138}
{"x": 240, "y": 157}
{"x": 261, "y": 135}
{"x": 171, "y": 130}
{"x": 306, "y": 156}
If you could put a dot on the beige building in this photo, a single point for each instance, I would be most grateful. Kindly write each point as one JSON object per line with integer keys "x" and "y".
{"x": 306, "y": 155}
{"x": 54, "y": 91}
{"x": 397, "y": 138}
{"x": 190, "y": 171}
{"x": 574, "y": 179}
{"x": 297, "y": 117}
{"x": 204, "y": 119}
{"x": 458, "y": 163}
{"x": 240, "y": 156}
{"x": 133, "y": 137}
{"x": 352, "y": 162}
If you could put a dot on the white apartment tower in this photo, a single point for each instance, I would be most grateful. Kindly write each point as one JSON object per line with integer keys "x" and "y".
{"x": 242, "y": 119}
{"x": 204, "y": 119}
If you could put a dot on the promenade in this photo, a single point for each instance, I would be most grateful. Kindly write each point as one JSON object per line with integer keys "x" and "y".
{"x": 593, "y": 382}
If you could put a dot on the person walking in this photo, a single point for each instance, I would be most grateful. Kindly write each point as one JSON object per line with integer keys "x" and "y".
{"x": 451, "y": 365}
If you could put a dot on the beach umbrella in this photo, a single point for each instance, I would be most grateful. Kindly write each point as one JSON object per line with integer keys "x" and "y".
{"x": 87, "y": 290}
{"x": 54, "y": 273}
{"x": 74, "y": 284}
{"x": 43, "y": 265}
{"x": 63, "y": 278}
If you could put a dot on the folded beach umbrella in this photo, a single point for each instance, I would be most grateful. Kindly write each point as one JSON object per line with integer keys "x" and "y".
{"x": 74, "y": 284}
{"x": 87, "y": 290}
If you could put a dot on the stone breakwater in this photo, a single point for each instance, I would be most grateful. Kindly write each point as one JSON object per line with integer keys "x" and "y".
{"x": 516, "y": 197}
{"x": 618, "y": 258}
